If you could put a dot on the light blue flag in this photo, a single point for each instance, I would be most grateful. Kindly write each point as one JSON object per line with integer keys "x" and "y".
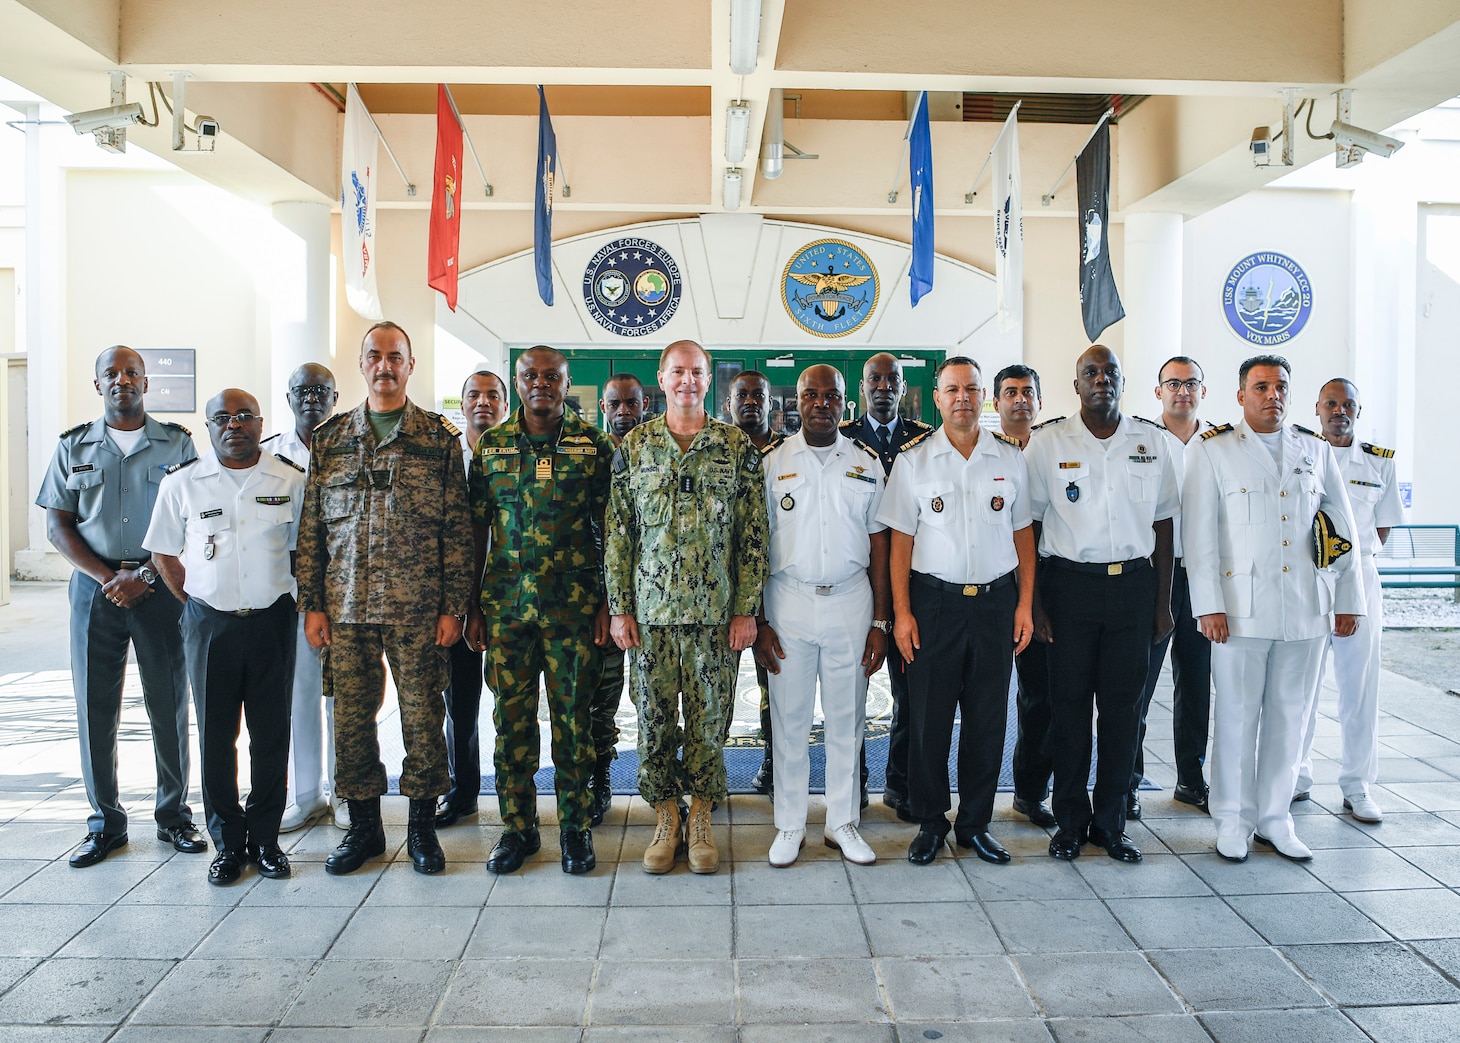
{"x": 920, "y": 169}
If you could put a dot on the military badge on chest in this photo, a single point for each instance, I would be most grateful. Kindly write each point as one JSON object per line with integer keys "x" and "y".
{"x": 937, "y": 505}
{"x": 1072, "y": 492}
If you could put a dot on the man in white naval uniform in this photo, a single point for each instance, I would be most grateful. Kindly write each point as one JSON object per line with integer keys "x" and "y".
{"x": 311, "y": 397}
{"x": 827, "y": 611}
{"x": 1249, "y": 500}
{"x": 1373, "y": 495}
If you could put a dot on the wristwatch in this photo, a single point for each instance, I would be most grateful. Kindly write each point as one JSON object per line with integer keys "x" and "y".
{"x": 884, "y": 625}
{"x": 146, "y": 574}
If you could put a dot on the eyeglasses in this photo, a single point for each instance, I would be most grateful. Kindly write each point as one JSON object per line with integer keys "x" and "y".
{"x": 1177, "y": 385}
{"x": 312, "y": 391}
{"x": 228, "y": 419}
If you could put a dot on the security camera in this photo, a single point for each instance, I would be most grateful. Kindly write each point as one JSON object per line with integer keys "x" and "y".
{"x": 1261, "y": 146}
{"x": 1346, "y": 135}
{"x": 109, "y": 118}
{"x": 208, "y": 131}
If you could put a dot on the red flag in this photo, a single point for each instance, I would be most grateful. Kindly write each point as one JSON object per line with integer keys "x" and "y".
{"x": 445, "y": 243}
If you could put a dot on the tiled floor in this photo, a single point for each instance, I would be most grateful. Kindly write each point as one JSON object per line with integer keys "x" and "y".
{"x": 1364, "y": 943}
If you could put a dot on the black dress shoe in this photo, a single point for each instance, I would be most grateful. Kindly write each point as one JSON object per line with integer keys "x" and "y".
{"x": 185, "y": 838}
{"x": 924, "y": 847}
{"x": 984, "y": 846}
{"x": 1197, "y": 798}
{"x": 227, "y": 867}
{"x": 1036, "y": 811}
{"x": 577, "y": 846}
{"x": 1118, "y": 846}
{"x": 765, "y": 778}
{"x": 1133, "y": 806}
{"x": 512, "y": 848}
{"x": 270, "y": 859}
{"x": 96, "y": 847}
{"x": 449, "y": 814}
{"x": 865, "y": 799}
{"x": 898, "y": 803}
{"x": 1065, "y": 845}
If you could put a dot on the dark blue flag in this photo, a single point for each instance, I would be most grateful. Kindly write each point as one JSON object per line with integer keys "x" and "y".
{"x": 542, "y": 208}
{"x": 920, "y": 169}
{"x": 1099, "y": 302}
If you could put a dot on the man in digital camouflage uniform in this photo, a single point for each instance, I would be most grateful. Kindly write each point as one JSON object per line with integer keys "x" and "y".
{"x": 539, "y": 487}
{"x": 384, "y": 570}
{"x": 685, "y": 559}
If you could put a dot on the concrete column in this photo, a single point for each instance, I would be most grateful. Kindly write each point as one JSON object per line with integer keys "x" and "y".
{"x": 1151, "y": 292}
{"x": 299, "y": 301}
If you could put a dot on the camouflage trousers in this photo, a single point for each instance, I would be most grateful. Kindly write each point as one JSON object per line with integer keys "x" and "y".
{"x": 689, "y": 668}
{"x": 605, "y": 701}
{"x": 563, "y": 654}
{"x": 763, "y": 682}
{"x": 355, "y": 676}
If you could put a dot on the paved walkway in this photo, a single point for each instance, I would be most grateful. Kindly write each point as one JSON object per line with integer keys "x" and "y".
{"x": 1363, "y": 943}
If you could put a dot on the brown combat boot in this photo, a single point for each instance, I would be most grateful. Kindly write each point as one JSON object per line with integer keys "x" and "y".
{"x": 703, "y": 858}
{"x": 667, "y": 839}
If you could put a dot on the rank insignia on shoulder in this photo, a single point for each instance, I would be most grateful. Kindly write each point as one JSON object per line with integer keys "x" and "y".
{"x": 271, "y": 501}
{"x": 866, "y": 448}
{"x": 179, "y": 467}
{"x": 914, "y": 440}
{"x": 291, "y": 463}
{"x": 775, "y": 441}
{"x": 620, "y": 461}
{"x": 451, "y": 428}
{"x": 270, "y": 438}
{"x": 1306, "y": 431}
{"x": 1010, "y": 439}
{"x": 1144, "y": 420}
{"x": 1217, "y": 431}
{"x": 173, "y": 423}
{"x": 72, "y": 430}
{"x": 1046, "y": 423}
{"x": 1376, "y": 450}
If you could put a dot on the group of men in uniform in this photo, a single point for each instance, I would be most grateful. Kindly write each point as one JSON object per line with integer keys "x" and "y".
{"x": 542, "y": 553}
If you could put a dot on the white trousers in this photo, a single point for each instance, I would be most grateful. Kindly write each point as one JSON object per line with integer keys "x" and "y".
{"x": 1258, "y": 713}
{"x": 1356, "y": 669}
{"x": 823, "y": 637}
{"x": 312, "y": 735}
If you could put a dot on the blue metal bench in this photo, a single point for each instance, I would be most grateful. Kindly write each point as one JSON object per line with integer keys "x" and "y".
{"x": 1421, "y": 556}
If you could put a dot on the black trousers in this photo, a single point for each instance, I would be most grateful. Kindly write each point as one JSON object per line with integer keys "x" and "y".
{"x": 1097, "y": 667}
{"x": 242, "y": 667}
{"x": 963, "y": 666}
{"x": 898, "y": 728}
{"x": 463, "y": 708}
{"x": 1033, "y": 761}
{"x": 1191, "y": 703}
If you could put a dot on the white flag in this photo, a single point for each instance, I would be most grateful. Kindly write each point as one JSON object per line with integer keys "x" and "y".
{"x": 357, "y": 207}
{"x": 1008, "y": 225}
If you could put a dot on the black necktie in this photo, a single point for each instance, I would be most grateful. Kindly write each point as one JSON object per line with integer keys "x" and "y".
{"x": 884, "y": 440}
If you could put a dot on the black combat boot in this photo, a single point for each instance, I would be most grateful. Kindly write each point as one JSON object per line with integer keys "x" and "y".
{"x": 601, "y": 787}
{"x": 421, "y": 843}
{"x": 364, "y": 840}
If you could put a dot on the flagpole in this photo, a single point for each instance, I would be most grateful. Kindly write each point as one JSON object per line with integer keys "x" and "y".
{"x": 410, "y": 188}
{"x": 1048, "y": 197}
{"x": 990, "y": 157}
{"x": 486, "y": 185}
{"x": 906, "y": 143}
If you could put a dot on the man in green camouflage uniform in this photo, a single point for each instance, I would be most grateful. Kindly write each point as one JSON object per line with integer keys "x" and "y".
{"x": 539, "y": 487}
{"x": 686, "y": 558}
{"x": 384, "y": 568}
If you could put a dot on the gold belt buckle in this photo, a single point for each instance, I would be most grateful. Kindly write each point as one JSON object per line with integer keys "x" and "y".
{"x": 1115, "y": 570}
{"x": 970, "y": 590}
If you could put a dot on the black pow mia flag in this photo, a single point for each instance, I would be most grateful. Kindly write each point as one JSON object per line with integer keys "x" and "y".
{"x": 1099, "y": 301}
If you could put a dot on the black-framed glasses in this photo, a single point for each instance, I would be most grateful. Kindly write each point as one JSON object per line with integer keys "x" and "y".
{"x": 228, "y": 419}
{"x": 320, "y": 391}
{"x": 1177, "y": 385}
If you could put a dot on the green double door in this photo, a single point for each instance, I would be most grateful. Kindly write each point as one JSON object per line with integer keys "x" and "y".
{"x": 590, "y": 369}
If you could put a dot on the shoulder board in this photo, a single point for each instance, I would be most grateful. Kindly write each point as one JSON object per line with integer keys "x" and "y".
{"x": 1376, "y": 450}
{"x": 179, "y": 467}
{"x": 917, "y": 425}
{"x": 866, "y": 448}
{"x": 1010, "y": 439}
{"x": 276, "y": 434}
{"x": 1217, "y": 431}
{"x": 1306, "y": 431}
{"x": 451, "y": 428}
{"x": 1055, "y": 420}
{"x": 1145, "y": 421}
{"x": 291, "y": 463}
{"x": 845, "y": 424}
{"x": 620, "y": 460}
{"x": 914, "y": 440}
{"x": 169, "y": 423}
{"x": 72, "y": 430}
{"x": 775, "y": 441}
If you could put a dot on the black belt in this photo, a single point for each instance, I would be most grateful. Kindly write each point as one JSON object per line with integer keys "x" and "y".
{"x": 968, "y": 590}
{"x": 117, "y": 565}
{"x": 240, "y": 612}
{"x": 1096, "y": 568}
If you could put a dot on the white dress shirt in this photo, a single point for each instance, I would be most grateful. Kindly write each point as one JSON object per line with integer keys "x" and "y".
{"x": 289, "y": 445}
{"x": 822, "y": 513}
{"x": 962, "y": 514}
{"x": 1097, "y": 499}
{"x": 251, "y": 527}
{"x": 1373, "y": 494}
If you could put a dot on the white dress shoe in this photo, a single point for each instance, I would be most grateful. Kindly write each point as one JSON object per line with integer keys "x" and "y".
{"x": 1363, "y": 808}
{"x": 787, "y": 846}
{"x": 1232, "y": 847}
{"x": 1290, "y": 847}
{"x": 298, "y": 816}
{"x": 342, "y": 814}
{"x": 853, "y": 848}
